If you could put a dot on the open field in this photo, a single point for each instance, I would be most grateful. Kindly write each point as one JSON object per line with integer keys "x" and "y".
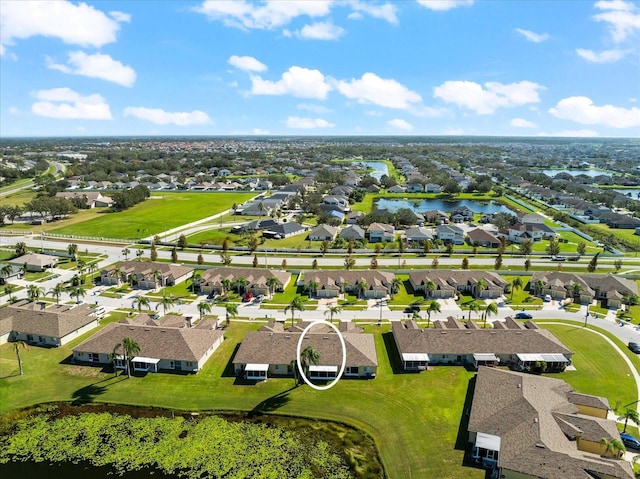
{"x": 414, "y": 418}
{"x": 158, "y": 213}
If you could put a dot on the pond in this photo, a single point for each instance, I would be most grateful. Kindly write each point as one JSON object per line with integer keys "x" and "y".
{"x": 379, "y": 168}
{"x": 590, "y": 173}
{"x": 420, "y": 206}
{"x": 632, "y": 192}
{"x": 67, "y": 470}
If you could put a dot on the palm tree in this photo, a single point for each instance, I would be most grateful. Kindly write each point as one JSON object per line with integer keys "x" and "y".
{"x": 130, "y": 348}
{"x": 312, "y": 287}
{"x": 7, "y": 270}
{"x": 429, "y": 288}
{"x": 116, "y": 273}
{"x": 433, "y": 307}
{"x": 203, "y": 308}
{"x": 241, "y": 284}
{"x": 308, "y": 356}
{"x": 516, "y": 284}
{"x": 10, "y": 289}
{"x": 157, "y": 275}
{"x": 17, "y": 346}
{"x": 113, "y": 356}
{"x": 629, "y": 415}
{"x": 21, "y": 248}
{"x": 395, "y": 286}
{"x": 576, "y": 289}
{"x": 57, "y": 291}
{"x": 126, "y": 252}
{"x": 473, "y": 307}
{"x": 362, "y": 287}
{"x": 296, "y": 304}
{"x": 72, "y": 249}
{"x": 195, "y": 277}
{"x": 481, "y": 285}
{"x": 143, "y": 301}
{"x": 231, "y": 310}
{"x": 34, "y": 292}
{"x": 226, "y": 285}
{"x": 613, "y": 447}
{"x": 166, "y": 302}
{"x": 538, "y": 285}
{"x": 488, "y": 310}
{"x": 272, "y": 284}
{"x": 331, "y": 311}
{"x": 77, "y": 293}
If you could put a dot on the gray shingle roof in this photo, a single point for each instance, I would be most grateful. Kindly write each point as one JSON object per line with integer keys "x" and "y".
{"x": 183, "y": 344}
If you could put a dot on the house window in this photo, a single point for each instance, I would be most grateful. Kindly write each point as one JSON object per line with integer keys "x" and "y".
{"x": 352, "y": 370}
{"x": 95, "y": 357}
{"x": 189, "y": 364}
{"x": 29, "y": 337}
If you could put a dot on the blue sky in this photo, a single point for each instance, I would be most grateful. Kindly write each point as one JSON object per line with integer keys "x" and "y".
{"x": 441, "y": 67}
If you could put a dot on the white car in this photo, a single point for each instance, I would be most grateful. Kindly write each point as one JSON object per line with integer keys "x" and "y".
{"x": 547, "y": 298}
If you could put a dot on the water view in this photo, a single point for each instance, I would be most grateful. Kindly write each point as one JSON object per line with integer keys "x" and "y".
{"x": 420, "y": 206}
{"x": 632, "y": 192}
{"x": 590, "y": 173}
{"x": 379, "y": 168}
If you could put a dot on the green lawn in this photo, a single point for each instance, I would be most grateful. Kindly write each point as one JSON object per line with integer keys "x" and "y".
{"x": 593, "y": 359}
{"x": 158, "y": 213}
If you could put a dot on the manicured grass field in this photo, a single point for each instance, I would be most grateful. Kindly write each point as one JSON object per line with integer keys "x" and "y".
{"x": 415, "y": 419}
{"x": 158, "y": 213}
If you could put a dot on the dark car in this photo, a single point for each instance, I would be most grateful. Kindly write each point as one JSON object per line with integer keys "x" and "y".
{"x": 414, "y": 308}
{"x": 634, "y": 347}
{"x": 630, "y": 442}
{"x": 523, "y": 315}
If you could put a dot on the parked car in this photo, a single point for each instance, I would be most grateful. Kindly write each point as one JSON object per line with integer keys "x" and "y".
{"x": 547, "y": 298}
{"x": 559, "y": 258}
{"x": 247, "y": 297}
{"x": 630, "y": 442}
{"x": 634, "y": 347}
{"x": 574, "y": 258}
{"x": 523, "y": 315}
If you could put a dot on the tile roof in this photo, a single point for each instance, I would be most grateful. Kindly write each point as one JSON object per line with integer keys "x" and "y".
{"x": 333, "y": 278}
{"x": 146, "y": 268}
{"x": 255, "y": 276}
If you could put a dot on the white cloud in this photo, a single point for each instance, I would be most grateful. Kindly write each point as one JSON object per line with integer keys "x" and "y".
{"x": 79, "y": 24}
{"x": 442, "y": 5}
{"x": 313, "y": 108}
{"x": 572, "y": 133}
{"x": 161, "y": 117}
{"x": 582, "y": 110}
{"x": 622, "y": 18}
{"x": 297, "y": 81}
{"x": 522, "y": 123}
{"x": 267, "y": 15}
{"x": 307, "y": 123}
{"x": 605, "y": 56}
{"x": 400, "y": 124}
{"x": 259, "y": 131}
{"x": 320, "y": 31}
{"x": 248, "y": 64}
{"x": 386, "y": 11}
{"x": 97, "y": 66}
{"x": 486, "y": 100}
{"x": 533, "y": 36}
{"x": 374, "y": 113}
{"x": 64, "y": 103}
{"x": 120, "y": 17}
{"x": 451, "y": 131}
{"x": 370, "y": 88}
{"x": 13, "y": 110}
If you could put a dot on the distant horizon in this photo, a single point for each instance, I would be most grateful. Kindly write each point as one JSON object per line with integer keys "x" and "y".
{"x": 444, "y": 68}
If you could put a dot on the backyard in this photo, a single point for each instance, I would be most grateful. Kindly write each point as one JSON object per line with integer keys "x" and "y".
{"x": 414, "y": 418}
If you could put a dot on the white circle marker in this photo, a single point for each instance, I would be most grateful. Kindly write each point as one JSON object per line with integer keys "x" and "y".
{"x": 344, "y": 356}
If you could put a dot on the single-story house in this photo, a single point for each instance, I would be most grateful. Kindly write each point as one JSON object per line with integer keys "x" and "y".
{"x": 255, "y": 225}
{"x": 415, "y": 188}
{"x": 538, "y": 427}
{"x": 37, "y": 324}
{"x": 11, "y": 270}
{"x": 396, "y": 189}
{"x": 271, "y": 351}
{"x": 283, "y": 230}
{"x": 447, "y": 283}
{"x": 258, "y": 280}
{"x": 161, "y": 347}
{"x": 418, "y": 234}
{"x": 33, "y": 262}
{"x": 145, "y": 274}
{"x": 436, "y": 216}
{"x": 519, "y": 348}
{"x": 432, "y": 188}
{"x": 353, "y": 217}
{"x": 354, "y": 232}
{"x": 91, "y": 199}
{"x": 369, "y": 284}
{"x": 322, "y": 233}
{"x": 481, "y": 237}
{"x": 611, "y": 290}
